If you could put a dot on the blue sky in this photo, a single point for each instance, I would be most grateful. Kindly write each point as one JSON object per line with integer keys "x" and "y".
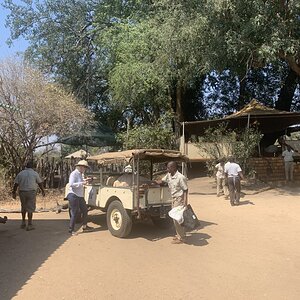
{"x": 18, "y": 46}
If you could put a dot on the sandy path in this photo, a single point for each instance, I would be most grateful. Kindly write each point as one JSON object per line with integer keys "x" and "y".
{"x": 245, "y": 252}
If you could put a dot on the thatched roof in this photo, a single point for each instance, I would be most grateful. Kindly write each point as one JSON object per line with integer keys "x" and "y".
{"x": 266, "y": 119}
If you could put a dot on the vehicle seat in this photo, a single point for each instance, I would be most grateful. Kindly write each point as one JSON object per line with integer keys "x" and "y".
{"x": 110, "y": 180}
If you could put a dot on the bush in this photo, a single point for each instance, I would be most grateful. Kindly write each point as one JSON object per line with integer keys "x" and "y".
{"x": 221, "y": 142}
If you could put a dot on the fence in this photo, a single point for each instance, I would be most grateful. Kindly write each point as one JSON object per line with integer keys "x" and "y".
{"x": 55, "y": 171}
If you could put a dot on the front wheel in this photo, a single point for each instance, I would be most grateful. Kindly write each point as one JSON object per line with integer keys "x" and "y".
{"x": 119, "y": 221}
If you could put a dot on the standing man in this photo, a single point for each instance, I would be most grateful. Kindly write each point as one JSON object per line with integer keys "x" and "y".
{"x": 234, "y": 175}
{"x": 288, "y": 157}
{"x": 179, "y": 190}
{"x": 75, "y": 196}
{"x": 220, "y": 176}
{"x": 28, "y": 182}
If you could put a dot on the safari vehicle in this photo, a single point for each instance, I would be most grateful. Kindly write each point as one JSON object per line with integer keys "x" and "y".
{"x": 125, "y": 204}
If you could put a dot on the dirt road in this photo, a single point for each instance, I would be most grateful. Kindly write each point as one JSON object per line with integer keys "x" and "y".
{"x": 245, "y": 252}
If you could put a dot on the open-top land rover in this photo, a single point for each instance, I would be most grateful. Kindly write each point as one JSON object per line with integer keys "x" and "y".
{"x": 137, "y": 201}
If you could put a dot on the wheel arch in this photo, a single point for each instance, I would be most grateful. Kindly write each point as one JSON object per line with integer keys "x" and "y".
{"x": 110, "y": 200}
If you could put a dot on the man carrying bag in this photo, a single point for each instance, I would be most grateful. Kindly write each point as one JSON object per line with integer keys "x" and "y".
{"x": 179, "y": 190}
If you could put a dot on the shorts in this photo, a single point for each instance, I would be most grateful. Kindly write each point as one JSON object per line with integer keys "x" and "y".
{"x": 28, "y": 199}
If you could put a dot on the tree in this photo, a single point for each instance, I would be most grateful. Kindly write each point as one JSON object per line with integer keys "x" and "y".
{"x": 154, "y": 136}
{"x": 32, "y": 108}
{"x": 158, "y": 59}
{"x": 221, "y": 142}
{"x": 62, "y": 44}
{"x": 137, "y": 60}
{"x": 247, "y": 35}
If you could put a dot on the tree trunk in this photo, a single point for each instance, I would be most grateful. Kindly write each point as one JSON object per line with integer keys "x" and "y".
{"x": 179, "y": 93}
{"x": 287, "y": 91}
{"x": 284, "y": 102}
{"x": 244, "y": 96}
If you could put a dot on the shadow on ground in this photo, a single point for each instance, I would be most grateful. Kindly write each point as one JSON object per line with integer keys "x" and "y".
{"x": 23, "y": 252}
{"x": 246, "y": 202}
{"x": 152, "y": 233}
{"x": 200, "y": 193}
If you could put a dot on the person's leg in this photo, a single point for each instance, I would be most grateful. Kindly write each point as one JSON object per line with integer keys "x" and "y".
{"x": 225, "y": 189}
{"x": 291, "y": 170}
{"x": 231, "y": 189}
{"x": 23, "y": 224}
{"x": 83, "y": 210}
{"x": 30, "y": 208}
{"x": 180, "y": 230}
{"x": 23, "y": 209}
{"x": 237, "y": 190}
{"x": 286, "y": 170}
{"x": 218, "y": 186}
{"x": 74, "y": 208}
{"x": 222, "y": 182}
{"x": 30, "y": 215}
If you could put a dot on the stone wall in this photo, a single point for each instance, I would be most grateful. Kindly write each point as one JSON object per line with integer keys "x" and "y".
{"x": 271, "y": 169}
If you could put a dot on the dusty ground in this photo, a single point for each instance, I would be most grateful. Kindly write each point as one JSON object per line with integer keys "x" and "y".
{"x": 245, "y": 252}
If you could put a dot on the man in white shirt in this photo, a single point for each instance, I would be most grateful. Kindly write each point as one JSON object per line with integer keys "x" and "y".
{"x": 27, "y": 181}
{"x": 220, "y": 176}
{"x": 288, "y": 157}
{"x": 234, "y": 174}
{"x": 76, "y": 196}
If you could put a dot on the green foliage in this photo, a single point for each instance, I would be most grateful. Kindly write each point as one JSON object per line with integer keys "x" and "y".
{"x": 246, "y": 145}
{"x": 220, "y": 142}
{"x": 140, "y": 59}
{"x": 252, "y": 33}
{"x": 156, "y": 56}
{"x": 156, "y": 136}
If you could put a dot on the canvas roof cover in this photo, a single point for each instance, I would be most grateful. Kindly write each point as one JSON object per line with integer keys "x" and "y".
{"x": 266, "y": 119}
{"x": 77, "y": 154}
{"x": 156, "y": 155}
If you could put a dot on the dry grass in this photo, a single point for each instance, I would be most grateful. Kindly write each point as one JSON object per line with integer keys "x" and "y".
{"x": 50, "y": 201}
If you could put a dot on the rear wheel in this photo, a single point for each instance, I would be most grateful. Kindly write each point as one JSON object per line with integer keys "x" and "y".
{"x": 119, "y": 221}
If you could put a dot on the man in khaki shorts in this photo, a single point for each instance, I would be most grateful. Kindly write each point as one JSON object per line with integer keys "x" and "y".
{"x": 179, "y": 190}
{"x": 28, "y": 182}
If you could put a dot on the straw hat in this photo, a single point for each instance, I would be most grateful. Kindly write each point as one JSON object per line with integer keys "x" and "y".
{"x": 82, "y": 163}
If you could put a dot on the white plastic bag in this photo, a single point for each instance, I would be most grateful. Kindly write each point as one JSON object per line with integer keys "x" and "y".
{"x": 176, "y": 213}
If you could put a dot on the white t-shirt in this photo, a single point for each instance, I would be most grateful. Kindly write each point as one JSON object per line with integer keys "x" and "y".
{"x": 220, "y": 170}
{"x": 232, "y": 169}
{"x": 288, "y": 155}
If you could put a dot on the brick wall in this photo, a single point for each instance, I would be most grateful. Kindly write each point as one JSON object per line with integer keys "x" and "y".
{"x": 271, "y": 169}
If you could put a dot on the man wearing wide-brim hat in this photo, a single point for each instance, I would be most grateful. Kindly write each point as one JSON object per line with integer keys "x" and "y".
{"x": 76, "y": 196}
